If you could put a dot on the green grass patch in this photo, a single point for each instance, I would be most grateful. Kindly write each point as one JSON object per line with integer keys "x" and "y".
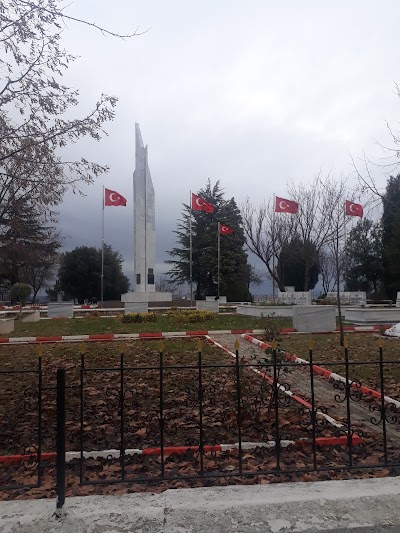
{"x": 90, "y": 326}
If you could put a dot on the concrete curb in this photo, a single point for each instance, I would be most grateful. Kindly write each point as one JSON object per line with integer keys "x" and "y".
{"x": 283, "y": 507}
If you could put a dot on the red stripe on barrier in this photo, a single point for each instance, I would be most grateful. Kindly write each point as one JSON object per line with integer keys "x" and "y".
{"x": 4, "y": 339}
{"x": 151, "y": 335}
{"x": 180, "y": 450}
{"x": 240, "y": 331}
{"x": 108, "y": 336}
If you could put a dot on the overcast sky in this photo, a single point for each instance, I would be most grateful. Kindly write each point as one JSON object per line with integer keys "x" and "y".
{"x": 252, "y": 93}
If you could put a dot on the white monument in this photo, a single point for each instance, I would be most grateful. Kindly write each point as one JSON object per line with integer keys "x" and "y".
{"x": 144, "y": 231}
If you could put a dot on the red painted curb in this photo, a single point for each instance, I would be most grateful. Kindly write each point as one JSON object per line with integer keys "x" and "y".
{"x": 180, "y": 450}
{"x": 102, "y": 337}
{"x": 155, "y": 335}
{"x": 4, "y": 340}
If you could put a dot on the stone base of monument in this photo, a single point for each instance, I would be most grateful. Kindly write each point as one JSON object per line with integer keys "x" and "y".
{"x": 221, "y": 300}
{"x": 204, "y": 305}
{"x": 314, "y": 318}
{"x": 60, "y": 309}
{"x": 33, "y": 316}
{"x": 6, "y": 325}
{"x": 140, "y": 297}
{"x": 136, "y": 307}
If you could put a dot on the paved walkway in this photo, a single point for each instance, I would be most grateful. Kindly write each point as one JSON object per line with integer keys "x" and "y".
{"x": 299, "y": 381}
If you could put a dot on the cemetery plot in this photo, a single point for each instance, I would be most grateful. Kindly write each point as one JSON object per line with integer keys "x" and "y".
{"x": 197, "y": 397}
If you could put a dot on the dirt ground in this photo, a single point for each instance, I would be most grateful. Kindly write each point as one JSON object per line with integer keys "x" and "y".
{"x": 102, "y": 427}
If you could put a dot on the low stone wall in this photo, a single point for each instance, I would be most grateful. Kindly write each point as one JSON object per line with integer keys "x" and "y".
{"x": 34, "y": 316}
{"x": 372, "y": 316}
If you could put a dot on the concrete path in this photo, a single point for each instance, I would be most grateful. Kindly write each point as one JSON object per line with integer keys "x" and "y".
{"x": 299, "y": 380}
{"x": 372, "y": 505}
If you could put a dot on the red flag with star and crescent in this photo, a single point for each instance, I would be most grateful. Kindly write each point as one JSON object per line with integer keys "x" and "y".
{"x": 354, "y": 210}
{"x": 199, "y": 204}
{"x": 113, "y": 198}
{"x": 225, "y": 230}
{"x": 286, "y": 206}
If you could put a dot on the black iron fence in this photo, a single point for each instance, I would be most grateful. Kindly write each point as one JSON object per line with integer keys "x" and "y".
{"x": 197, "y": 419}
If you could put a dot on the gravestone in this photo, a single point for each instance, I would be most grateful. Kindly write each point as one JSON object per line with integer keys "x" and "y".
{"x": 313, "y": 318}
{"x": 203, "y": 305}
{"x": 136, "y": 307}
{"x": 60, "y": 309}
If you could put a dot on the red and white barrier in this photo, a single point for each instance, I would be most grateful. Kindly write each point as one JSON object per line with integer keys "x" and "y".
{"x": 181, "y": 450}
{"x": 319, "y": 370}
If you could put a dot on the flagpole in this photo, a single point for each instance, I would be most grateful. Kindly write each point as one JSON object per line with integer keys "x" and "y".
{"x": 219, "y": 255}
{"x": 273, "y": 248}
{"x": 345, "y": 248}
{"x": 190, "y": 250}
{"x": 102, "y": 253}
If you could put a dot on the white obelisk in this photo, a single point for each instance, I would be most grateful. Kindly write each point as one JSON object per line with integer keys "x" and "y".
{"x": 144, "y": 219}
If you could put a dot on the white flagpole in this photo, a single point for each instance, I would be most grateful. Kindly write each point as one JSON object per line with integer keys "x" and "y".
{"x": 190, "y": 250}
{"x": 219, "y": 255}
{"x": 273, "y": 247}
{"x": 102, "y": 253}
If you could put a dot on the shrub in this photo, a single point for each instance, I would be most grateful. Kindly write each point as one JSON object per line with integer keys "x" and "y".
{"x": 190, "y": 316}
{"x": 139, "y": 317}
{"x": 20, "y": 292}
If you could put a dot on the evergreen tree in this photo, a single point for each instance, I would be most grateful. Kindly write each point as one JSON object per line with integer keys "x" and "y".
{"x": 391, "y": 236}
{"x": 297, "y": 257}
{"x": 234, "y": 269}
{"x": 364, "y": 257}
{"x": 79, "y": 276}
{"x": 28, "y": 244}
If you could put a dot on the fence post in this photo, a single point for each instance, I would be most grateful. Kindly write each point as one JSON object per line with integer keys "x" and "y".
{"x": 60, "y": 442}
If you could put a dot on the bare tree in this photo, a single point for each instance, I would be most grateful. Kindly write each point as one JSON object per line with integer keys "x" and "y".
{"x": 266, "y": 235}
{"x": 327, "y": 267}
{"x": 36, "y": 120}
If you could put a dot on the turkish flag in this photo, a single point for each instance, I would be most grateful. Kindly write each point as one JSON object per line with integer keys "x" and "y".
{"x": 199, "y": 204}
{"x": 113, "y": 198}
{"x": 354, "y": 210}
{"x": 286, "y": 206}
{"x": 225, "y": 230}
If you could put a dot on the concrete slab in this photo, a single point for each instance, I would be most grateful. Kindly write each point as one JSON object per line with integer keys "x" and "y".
{"x": 32, "y": 316}
{"x": 6, "y": 325}
{"x": 351, "y": 505}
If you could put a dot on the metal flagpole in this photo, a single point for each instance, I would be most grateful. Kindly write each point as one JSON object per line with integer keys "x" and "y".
{"x": 190, "y": 250}
{"x": 102, "y": 254}
{"x": 345, "y": 248}
{"x": 219, "y": 254}
{"x": 273, "y": 248}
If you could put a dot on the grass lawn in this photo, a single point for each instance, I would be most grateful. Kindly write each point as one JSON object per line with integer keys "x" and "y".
{"x": 95, "y": 325}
